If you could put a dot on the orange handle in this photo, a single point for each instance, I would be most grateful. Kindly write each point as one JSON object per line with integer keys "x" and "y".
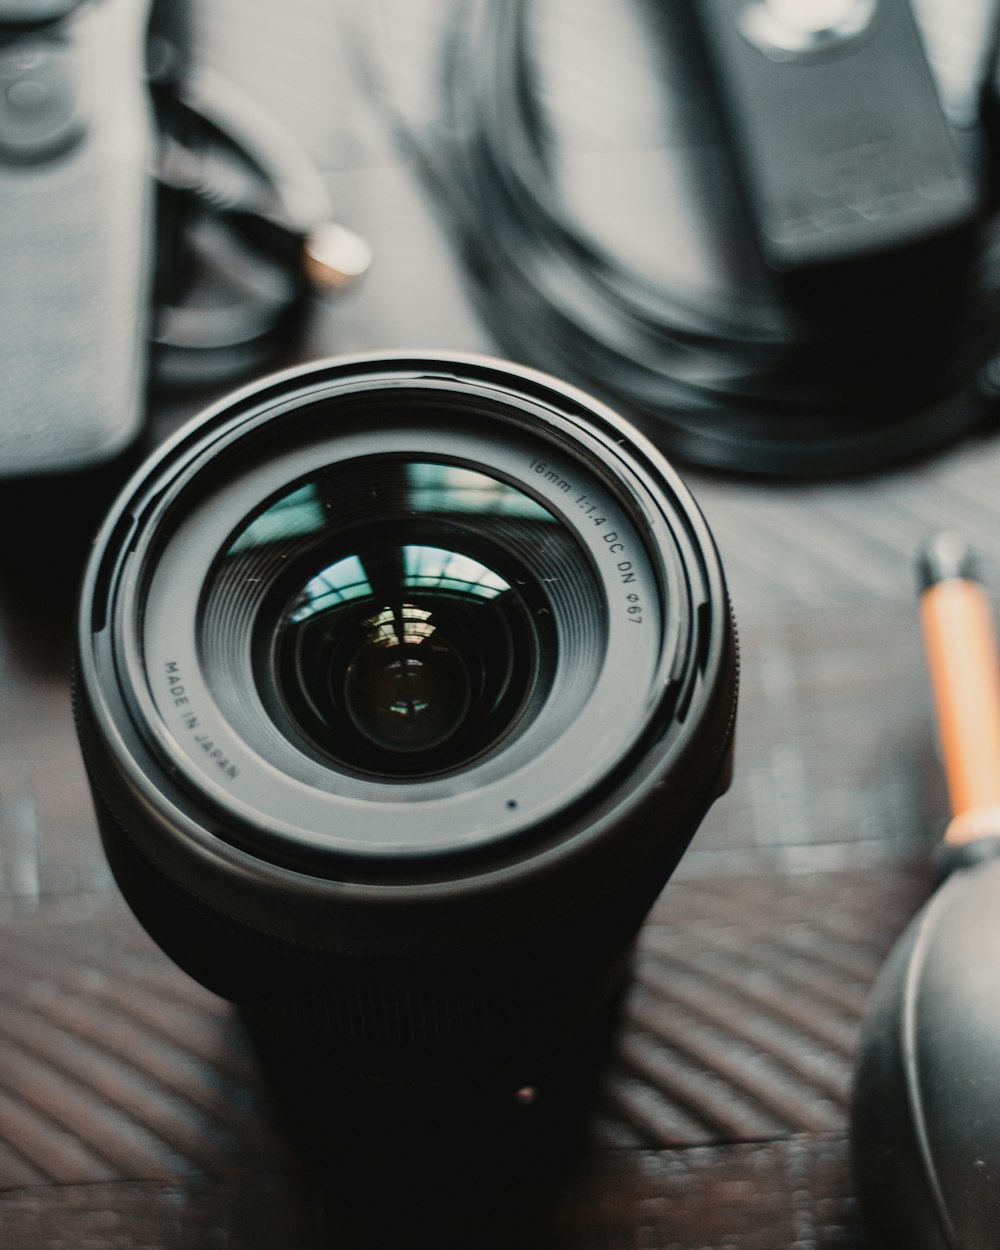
{"x": 960, "y": 641}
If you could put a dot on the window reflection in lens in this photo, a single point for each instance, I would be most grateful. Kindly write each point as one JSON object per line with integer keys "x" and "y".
{"x": 402, "y": 622}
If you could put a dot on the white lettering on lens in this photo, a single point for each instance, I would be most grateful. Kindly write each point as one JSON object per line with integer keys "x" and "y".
{"x": 550, "y": 475}
{"x": 176, "y": 683}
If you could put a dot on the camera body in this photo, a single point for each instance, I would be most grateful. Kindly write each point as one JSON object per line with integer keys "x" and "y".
{"x": 76, "y": 203}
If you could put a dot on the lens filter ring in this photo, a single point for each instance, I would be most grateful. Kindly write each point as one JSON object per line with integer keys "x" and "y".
{"x": 617, "y": 638}
{"x": 234, "y": 750}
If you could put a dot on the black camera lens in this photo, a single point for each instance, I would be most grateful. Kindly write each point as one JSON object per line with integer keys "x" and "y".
{"x": 396, "y": 624}
{"x": 403, "y": 684}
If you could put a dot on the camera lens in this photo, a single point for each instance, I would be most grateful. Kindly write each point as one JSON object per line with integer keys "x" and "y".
{"x": 403, "y": 683}
{"x": 396, "y": 624}
{"x": 402, "y": 675}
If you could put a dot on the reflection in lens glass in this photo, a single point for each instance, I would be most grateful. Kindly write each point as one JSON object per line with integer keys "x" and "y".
{"x": 402, "y": 614}
{"x": 298, "y": 513}
{"x": 408, "y": 687}
{"x": 427, "y": 567}
{"x": 405, "y": 650}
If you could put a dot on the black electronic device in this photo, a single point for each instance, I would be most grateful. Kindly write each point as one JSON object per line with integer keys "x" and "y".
{"x": 403, "y": 683}
{"x": 836, "y": 127}
{"x": 145, "y": 202}
{"x": 868, "y": 338}
{"x": 76, "y": 207}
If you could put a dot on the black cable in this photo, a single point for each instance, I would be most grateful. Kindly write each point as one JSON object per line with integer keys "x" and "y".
{"x": 235, "y": 207}
{"x": 870, "y": 367}
{"x": 244, "y": 220}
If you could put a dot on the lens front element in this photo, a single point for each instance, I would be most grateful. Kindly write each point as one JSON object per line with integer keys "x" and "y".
{"x": 398, "y": 627}
{"x": 406, "y": 622}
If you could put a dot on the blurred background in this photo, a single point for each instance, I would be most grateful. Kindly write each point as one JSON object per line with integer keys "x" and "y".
{"x": 827, "y": 420}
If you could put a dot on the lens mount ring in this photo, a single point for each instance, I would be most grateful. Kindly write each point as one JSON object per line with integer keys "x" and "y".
{"x": 638, "y": 538}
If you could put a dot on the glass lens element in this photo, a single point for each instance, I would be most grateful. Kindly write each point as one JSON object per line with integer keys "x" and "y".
{"x": 402, "y": 616}
{"x": 403, "y": 675}
{"x": 405, "y": 689}
{"x": 400, "y": 649}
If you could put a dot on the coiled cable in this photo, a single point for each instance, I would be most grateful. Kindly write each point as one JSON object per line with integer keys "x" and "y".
{"x": 245, "y": 223}
{"x": 856, "y": 371}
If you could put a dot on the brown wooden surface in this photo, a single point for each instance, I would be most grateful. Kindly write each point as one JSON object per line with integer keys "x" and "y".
{"x": 131, "y": 1112}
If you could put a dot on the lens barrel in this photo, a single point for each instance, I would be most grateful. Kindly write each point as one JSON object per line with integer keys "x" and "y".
{"x": 402, "y": 684}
